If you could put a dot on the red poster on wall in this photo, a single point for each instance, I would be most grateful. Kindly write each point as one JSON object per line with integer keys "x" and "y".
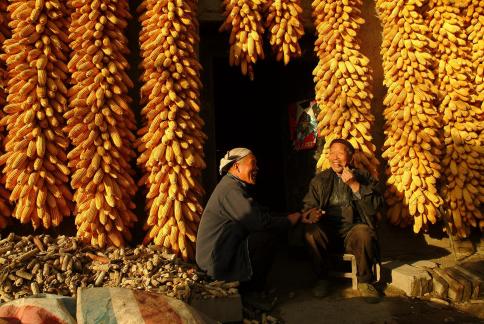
{"x": 303, "y": 124}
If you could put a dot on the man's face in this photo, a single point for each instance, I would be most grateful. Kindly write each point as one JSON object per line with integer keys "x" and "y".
{"x": 247, "y": 169}
{"x": 339, "y": 157}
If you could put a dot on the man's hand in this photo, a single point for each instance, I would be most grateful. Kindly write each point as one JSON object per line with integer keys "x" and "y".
{"x": 294, "y": 217}
{"x": 348, "y": 177}
{"x": 312, "y": 216}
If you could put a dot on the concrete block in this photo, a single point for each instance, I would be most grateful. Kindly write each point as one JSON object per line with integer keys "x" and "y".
{"x": 425, "y": 283}
{"x": 424, "y": 264}
{"x": 222, "y": 309}
{"x": 476, "y": 281}
{"x": 464, "y": 281}
{"x": 413, "y": 281}
{"x": 456, "y": 289}
{"x": 440, "y": 287}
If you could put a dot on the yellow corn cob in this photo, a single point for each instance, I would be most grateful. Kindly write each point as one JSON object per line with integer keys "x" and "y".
{"x": 244, "y": 21}
{"x": 462, "y": 117}
{"x": 35, "y": 159}
{"x": 284, "y": 23}
{"x": 100, "y": 123}
{"x": 342, "y": 79}
{"x": 475, "y": 34}
{"x": 171, "y": 143}
{"x": 5, "y": 211}
{"x": 412, "y": 146}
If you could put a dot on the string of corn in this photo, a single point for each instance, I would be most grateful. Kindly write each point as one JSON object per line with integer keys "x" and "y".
{"x": 342, "y": 78}
{"x": 35, "y": 150}
{"x": 171, "y": 144}
{"x": 100, "y": 122}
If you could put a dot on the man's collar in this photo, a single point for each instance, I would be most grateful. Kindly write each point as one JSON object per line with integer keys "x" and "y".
{"x": 242, "y": 182}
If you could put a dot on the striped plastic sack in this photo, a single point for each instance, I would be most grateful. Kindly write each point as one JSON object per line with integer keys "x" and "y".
{"x": 43, "y": 308}
{"x": 122, "y": 306}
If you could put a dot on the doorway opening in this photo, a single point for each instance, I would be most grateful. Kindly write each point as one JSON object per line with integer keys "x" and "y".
{"x": 254, "y": 114}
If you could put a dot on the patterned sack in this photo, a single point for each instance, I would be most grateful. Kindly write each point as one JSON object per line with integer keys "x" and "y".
{"x": 123, "y": 306}
{"x": 43, "y": 308}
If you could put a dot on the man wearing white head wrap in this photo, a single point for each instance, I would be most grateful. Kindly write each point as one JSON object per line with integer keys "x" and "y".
{"x": 236, "y": 237}
{"x": 231, "y": 157}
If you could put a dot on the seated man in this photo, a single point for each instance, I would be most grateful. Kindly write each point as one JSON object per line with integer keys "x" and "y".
{"x": 236, "y": 238}
{"x": 347, "y": 202}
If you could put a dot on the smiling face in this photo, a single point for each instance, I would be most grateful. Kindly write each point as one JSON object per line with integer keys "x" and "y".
{"x": 339, "y": 157}
{"x": 246, "y": 169}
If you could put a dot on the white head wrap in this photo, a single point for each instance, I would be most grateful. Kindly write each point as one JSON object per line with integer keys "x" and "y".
{"x": 232, "y": 156}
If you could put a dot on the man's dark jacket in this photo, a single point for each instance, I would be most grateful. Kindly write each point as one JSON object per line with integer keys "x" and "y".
{"x": 367, "y": 203}
{"x": 230, "y": 216}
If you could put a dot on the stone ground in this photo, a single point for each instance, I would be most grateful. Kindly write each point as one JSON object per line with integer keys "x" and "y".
{"x": 293, "y": 279}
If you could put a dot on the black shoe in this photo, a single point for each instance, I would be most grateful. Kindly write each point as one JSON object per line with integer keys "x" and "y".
{"x": 260, "y": 301}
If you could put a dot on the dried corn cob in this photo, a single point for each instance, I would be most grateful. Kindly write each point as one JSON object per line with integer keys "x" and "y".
{"x": 475, "y": 35}
{"x": 244, "y": 21}
{"x": 412, "y": 145}
{"x": 461, "y": 117}
{"x": 35, "y": 147}
{"x": 100, "y": 122}
{"x": 4, "y": 34}
{"x": 171, "y": 143}
{"x": 342, "y": 79}
{"x": 285, "y": 27}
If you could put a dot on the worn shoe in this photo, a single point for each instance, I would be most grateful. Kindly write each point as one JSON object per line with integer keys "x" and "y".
{"x": 369, "y": 292}
{"x": 260, "y": 301}
{"x": 321, "y": 289}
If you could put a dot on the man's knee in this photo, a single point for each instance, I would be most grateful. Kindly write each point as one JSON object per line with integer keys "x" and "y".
{"x": 310, "y": 231}
{"x": 362, "y": 234}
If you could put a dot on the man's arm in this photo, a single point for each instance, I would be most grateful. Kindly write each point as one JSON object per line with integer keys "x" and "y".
{"x": 244, "y": 209}
{"x": 369, "y": 197}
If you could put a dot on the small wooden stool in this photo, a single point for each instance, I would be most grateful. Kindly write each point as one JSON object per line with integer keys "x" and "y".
{"x": 352, "y": 275}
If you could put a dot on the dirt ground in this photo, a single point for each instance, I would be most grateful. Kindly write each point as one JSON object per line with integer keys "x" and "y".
{"x": 292, "y": 278}
{"x": 341, "y": 307}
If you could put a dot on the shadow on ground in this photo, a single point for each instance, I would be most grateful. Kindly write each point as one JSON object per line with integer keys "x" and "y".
{"x": 292, "y": 278}
{"x": 303, "y": 308}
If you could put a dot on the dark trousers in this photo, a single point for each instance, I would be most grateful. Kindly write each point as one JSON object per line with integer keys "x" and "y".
{"x": 359, "y": 241}
{"x": 262, "y": 249}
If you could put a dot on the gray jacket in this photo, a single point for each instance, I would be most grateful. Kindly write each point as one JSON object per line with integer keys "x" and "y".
{"x": 230, "y": 216}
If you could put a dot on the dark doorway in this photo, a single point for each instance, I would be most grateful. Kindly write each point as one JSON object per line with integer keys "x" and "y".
{"x": 254, "y": 114}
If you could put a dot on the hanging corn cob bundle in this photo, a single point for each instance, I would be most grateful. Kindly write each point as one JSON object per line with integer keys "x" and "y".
{"x": 35, "y": 159}
{"x": 171, "y": 143}
{"x": 244, "y": 21}
{"x": 475, "y": 34}
{"x": 461, "y": 117}
{"x": 342, "y": 79}
{"x": 4, "y": 34}
{"x": 100, "y": 122}
{"x": 284, "y": 23}
{"x": 412, "y": 146}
